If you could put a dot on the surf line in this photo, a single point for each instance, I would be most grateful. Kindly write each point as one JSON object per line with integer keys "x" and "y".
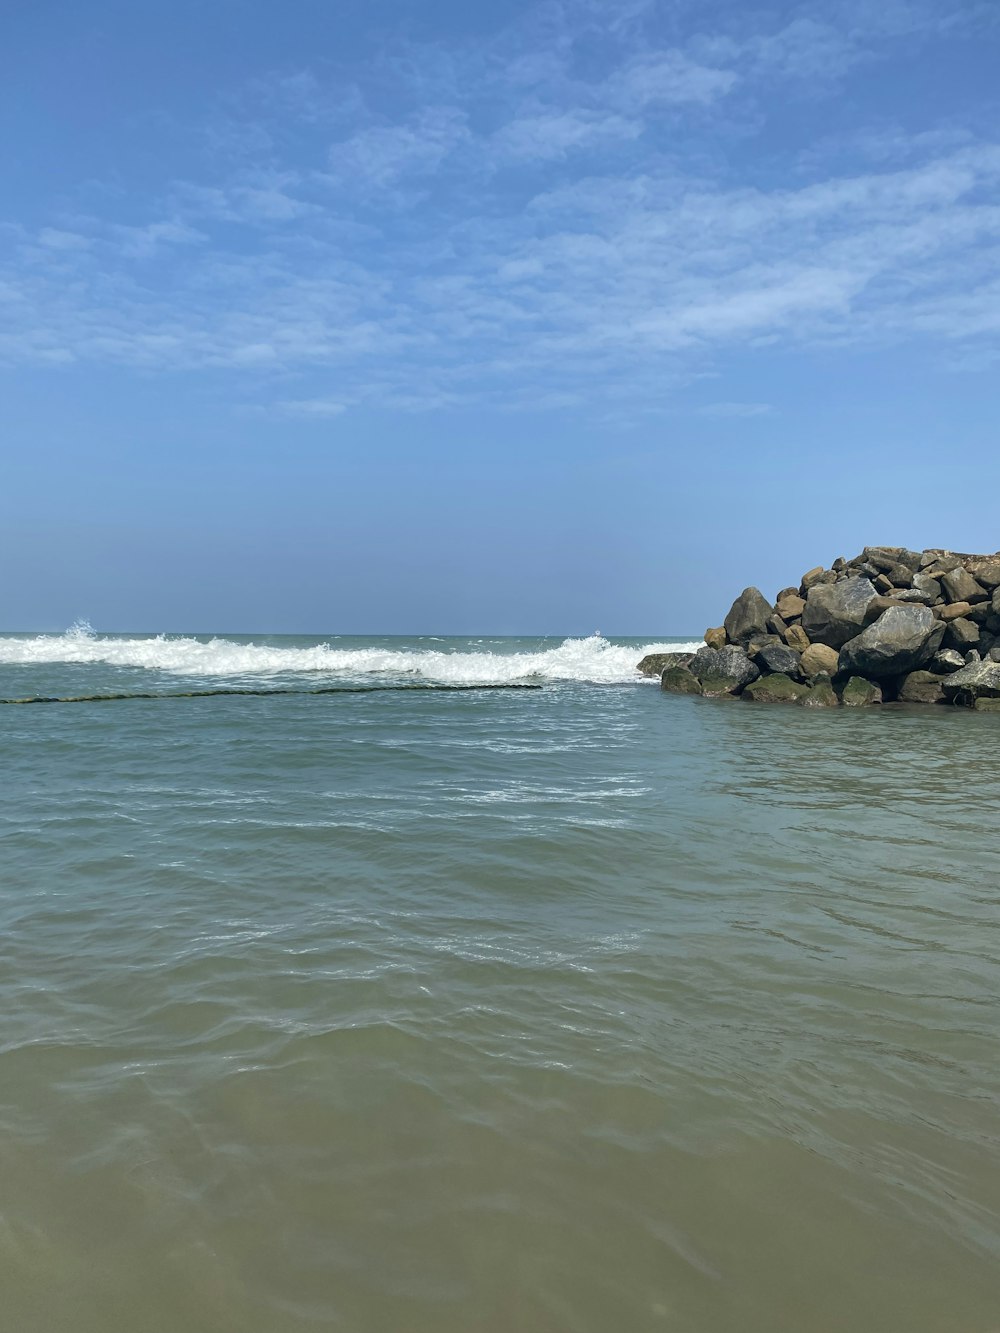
{"x": 262, "y": 694}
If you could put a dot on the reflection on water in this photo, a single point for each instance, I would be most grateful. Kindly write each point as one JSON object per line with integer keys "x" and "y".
{"x": 589, "y": 1009}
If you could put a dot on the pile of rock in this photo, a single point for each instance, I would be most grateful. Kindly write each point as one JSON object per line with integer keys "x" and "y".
{"x": 889, "y": 625}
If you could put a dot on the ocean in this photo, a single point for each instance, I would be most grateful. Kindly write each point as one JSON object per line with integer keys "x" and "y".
{"x": 574, "y": 1009}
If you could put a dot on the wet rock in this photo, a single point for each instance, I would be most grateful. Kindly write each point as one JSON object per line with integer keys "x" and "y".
{"x": 818, "y": 658}
{"x": 748, "y": 616}
{"x": 775, "y": 689}
{"x": 734, "y": 664}
{"x": 705, "y": 662}
{"x": 901, "y": 640}
{"x": 922, "y": 687}
{"x": 835, "y": 612}
{"x": 654, "y": 664}
{"x": 859, "y": 693}
{"x": 679, "y": 680}
{"x": 987, "y": 705}
{"x": 820, "y": 694}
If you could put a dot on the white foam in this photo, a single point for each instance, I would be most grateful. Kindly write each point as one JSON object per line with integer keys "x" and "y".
{"x": 593, "y": 659}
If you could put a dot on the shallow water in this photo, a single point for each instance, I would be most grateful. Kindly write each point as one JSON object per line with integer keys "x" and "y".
{"x": 577, "y": 1009}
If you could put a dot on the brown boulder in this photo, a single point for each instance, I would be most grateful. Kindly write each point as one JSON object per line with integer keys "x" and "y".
{"x": 796, "y": 637}
{"x": 790, "y": 606}
{"x": 817, "y": 659}
{"x": 716, "y": 638}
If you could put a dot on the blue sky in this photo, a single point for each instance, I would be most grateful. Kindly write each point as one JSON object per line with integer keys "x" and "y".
{"x": 389, "y": 317}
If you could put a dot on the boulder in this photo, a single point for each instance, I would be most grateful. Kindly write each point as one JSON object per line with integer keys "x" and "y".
{"x": 961, "y": 634}
{"x": 734, "y": 664}
{"x": 995, "y": 603}
{"x": 777, "y": 658}
{"x": 748, "y": 615}
{"x": 921, "y": 687}
{"x": 883, "y": 584}
{"x": 987, "y": 705}
{"x": 716, "y": 638}
{"x": 723, "y": 670}
{"x": 924, "y": 583}
{"x": 820, "y": 694}
{"x": 946, "y": 661}
{"x": 705, "y": 662}
{"x": 900, "y": 577}
{"x": 988, "y": 574}
{"x": 978, "y": 680}
{"x": 817, "y": 659}
{"x": 960, "y": 586}
{"x": 835, "y": 612}
{"x": 654, "y": 664}
{"x": 811, "y": 577}
{"x": 777, "y": 626}
{"x": 859, "y": 693}
{"x": 790, "y": 606}
{"x": 901, "y": 640}
{"x": 775, "y": 689}
{"x": 679, "y": 680}
{"x": 796, "y": 637}
{"x": 953, "y": 610}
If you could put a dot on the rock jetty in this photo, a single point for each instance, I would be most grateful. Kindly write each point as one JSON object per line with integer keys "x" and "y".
{"x": 891, "y": 625}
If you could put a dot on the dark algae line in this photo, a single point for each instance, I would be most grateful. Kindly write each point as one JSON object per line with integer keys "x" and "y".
{"x": 262, "y": 694}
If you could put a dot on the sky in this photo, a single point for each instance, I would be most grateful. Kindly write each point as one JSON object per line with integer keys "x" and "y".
{"x": 434, "y": 317}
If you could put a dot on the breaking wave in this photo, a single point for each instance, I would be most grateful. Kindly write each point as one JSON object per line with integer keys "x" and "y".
{"x": 595, "y": 660}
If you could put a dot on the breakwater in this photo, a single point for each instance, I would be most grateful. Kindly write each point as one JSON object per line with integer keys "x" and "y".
{"x": 890, "y": 625}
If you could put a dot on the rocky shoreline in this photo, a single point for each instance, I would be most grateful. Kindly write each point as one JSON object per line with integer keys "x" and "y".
{"x": 891, "y": 625}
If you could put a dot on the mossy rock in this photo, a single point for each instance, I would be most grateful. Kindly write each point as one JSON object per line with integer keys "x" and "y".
{"x": 680, "y": 681}
{"x": 720, "y": 687}
{"x": 987, "y": 705}
{"x": 654, "y": 664}
{"x": 775, "y": 689}
{"x": 859, "y": 693}
{"x": 820, "y": 694}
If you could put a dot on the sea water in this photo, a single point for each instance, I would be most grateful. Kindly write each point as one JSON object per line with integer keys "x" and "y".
{"x": 581, "y": 1009}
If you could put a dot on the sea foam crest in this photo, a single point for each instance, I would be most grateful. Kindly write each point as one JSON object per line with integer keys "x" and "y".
{"x": 593, "y": 659}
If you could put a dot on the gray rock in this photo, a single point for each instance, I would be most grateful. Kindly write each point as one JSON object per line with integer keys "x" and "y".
{"x": 705, "y": 662}
{"x": 776, "y": 625}
{"x": 778, "y": 658}
{"x": 654, "y": 664}
{"x": 678, "y": 680}
{"x": 924, "y": 583}
{"x": 916, "y": 595}
{"x": 748, "y": 616}
{"x": 736, "y": 665}
{"x": 947, "y": 660}
{"x": 960, "y": 586}
{"x": 835, "y": 612}
{"x": 961, "y": 634}
{"x": 995, "y": 603}
{"x": 978, "y": 680}
{"x": 900, "y": 577}
{"x": 901, "y": 640}
{"x": 922, "y": 687}
{"x": 722, "y": 670}
{"x": 988, "y": 574}
{"x": 859, "y": 693}
{"x": 995, "y": 653}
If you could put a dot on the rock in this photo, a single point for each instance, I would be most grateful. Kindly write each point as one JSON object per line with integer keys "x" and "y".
{"x": 758, "y": 642}
{"x": 705, "y": 662}
{"x": 960, "y": 586}
{"x": 820, "y": 694}
{"x": 921, "y": 687}
{"x": 679, "y": 680}
{"x": 901, "y": 640}
{"x": 859, "y": 693}
{"x": 955, "y": 609}
{"x": 654, "y": 664}
{"x": 887, "y": 558}
{"x": 839, "y": 565}
{"x": 777, "y": 659}
{"x": 817, "y": 659}
{"x": 978, "y": 680}
{"x": 777, "y": 626}
{"x": 912, "y": 595}
{"x": 774, "y": 689}
{"x": 900, "y": 577}
{"x": 790, "y": 606}
{"x": 796, "y": 637}
{"x": 716, "y": 638}
{"x": 835, "y": 612}
{"x": 995, "y": 653}
{"x": 883, "y": 584}
{"x": 961, "y": 634}
{"x": 786, "y": 592}
{"x": 995, "y": 603}
{"x": 811, "y": 577}
{"x": 972, "y": 656}
{"x": 979, "y": 614}
{"x": 987, "y": 705}
{"x": 947, "y": 660}
{"x": 988, "y": 574}
{"x": 924, "y": 583}
{"x": 748, "y": 615}
{"x": 734, "y": 664}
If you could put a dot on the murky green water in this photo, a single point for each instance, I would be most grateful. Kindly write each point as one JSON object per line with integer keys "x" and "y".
{"x": 581, "y": 1009}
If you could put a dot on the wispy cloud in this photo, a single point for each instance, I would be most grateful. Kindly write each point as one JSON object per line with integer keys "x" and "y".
{"x": 544, "y": 222}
